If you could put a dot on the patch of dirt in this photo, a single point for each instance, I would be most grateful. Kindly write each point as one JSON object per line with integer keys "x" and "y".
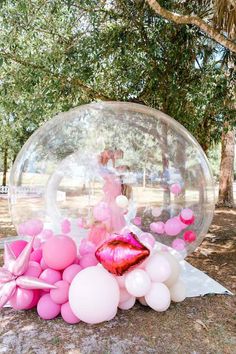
{"x": 196, "y": 326}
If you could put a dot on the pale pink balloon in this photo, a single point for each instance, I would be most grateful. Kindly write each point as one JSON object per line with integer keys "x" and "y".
{"x": 158, "y": 297}
{"x": 121, "y": 281}
{"x": 59, "y": 252}
{"x": 88, "y": 260}
{"x": 18, "y": 246}
{"x": 137, "y": 221}
{"x": 36, "y": 255}
{"x": 137, "y": 283}
{"x": 48, "y": 309}
{"x": 173, "y": 227}
{"x": 65, "y": 226}
{"x": 127, "y": 305}
{"x": 178, "y": 244}
{"x": 51, "y": 276}
{"x": 60, "y": 295}
{"x": 147, "y": 239}
{"x": 43, "y": 265}
{"x": 157, "y": 227}
{"x": 158, "y": 268}
{"x": 101, "y": 211}
{"x": 34, "y": 269}
{"x": 70, "y": 272}
{"x": 156, "y": 212}
{"x": 22, "y": 299}
{"x": 33, "y": 227}
{"x": 94, "y": 295}
{"x": 124, "y": 295}
{"x": 67, "y": 314}
{"x": 142, "y": 301}
{"x": 86, "y": 247}
{"x": 175, "y": 188}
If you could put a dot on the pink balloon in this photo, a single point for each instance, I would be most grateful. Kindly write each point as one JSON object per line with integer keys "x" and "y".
{"x": 147, "y": 239}
{"x": 33, "y": 227}
{"x": 67, "y": 314}
{"x": 70, "y": 272}
{"x": 59, "y": 252}
{"x": 157, "y": 227}
{"x": 124, "y": 295}
{"x": 88, "y": 260}
{"x": 101, "y": 211}
{"x": 43, "y": 265}
{"x": 178, "y": 244}
{"x": 34, "y": 269}
{"x": 189, "y": 236}
{"x": 175, "y": 188}
{"x": 21, "y": 230}
{"x": 86, "y": 247}
{"x": 18, "y": 246}
{"x": 65, "y": 226}
{"x": 173, "y": 227}
{"x": 36, "y": 255}
{"x": 36, "y": 297}
{"x": 137, "y": 221}
{"x": 51, "y": 276}
{"x": 121, "y": 280}
{"x": 22, "y": 299}
{"x": 47, "y": 309}
{"x": 60, "y": 295}
{"x": 46, "y": 234}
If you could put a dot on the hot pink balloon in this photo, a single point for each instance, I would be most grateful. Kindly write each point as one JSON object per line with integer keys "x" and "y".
{"x": 36, "y": 255}
{"x": 18, "y": 246}
{"x": 189, "y": 236}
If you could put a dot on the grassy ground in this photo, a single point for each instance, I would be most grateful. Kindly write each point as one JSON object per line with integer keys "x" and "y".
{"x": 199, "y": 325}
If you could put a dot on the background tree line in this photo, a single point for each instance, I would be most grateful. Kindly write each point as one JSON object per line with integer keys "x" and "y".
{"x": 55, "y": 55}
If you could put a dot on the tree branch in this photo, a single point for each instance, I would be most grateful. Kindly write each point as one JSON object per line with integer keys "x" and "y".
{"x": 193, "y": 20}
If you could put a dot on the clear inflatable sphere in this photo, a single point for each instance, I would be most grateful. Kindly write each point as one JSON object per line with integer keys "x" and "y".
{"x": 104, "y": 168}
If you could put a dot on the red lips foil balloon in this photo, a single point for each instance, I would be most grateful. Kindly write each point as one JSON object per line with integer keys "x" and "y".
{"x": 121, "y": 253}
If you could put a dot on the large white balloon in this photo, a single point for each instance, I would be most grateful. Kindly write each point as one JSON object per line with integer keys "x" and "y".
{"x": 94, "y": 295}
{"x": 158, "y": 297}
{"x": 137, "y": 283}
{"x": 178, "y": 291}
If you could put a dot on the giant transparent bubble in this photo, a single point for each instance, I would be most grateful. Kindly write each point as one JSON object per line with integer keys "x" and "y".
{"x": 135, "y": 163}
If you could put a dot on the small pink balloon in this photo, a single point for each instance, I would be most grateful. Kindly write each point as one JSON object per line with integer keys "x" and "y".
{"x": 124, "y": 295}
{"x": 173, "y": 227}
{"x": 70, "y": 272}
{"x": 47, "y": 309}
{"x": 186, "y": 214}
{"x": 60, "y": 295}
{"x": 22, "y": 299}
{"x": 121, "y": 281}
{"x": 65, "y": 226}
{"x": 157, "y": 227}
{"x": 88, "y": 260}
{"x": 189, "y": 236}
{"x": 59, "y": 252}
{"x": 33, "y": 227}
{"x": 178, "y": 244}
{"x": 137, "y": 221}
{"x": 43, "y": 265}
{"x": 175, "y": 188}
{"x": 46, "y": 234}
{"x": 51, "y": 276}
{"x": 34, "y": 269}
{"x": 36, "y": 297}
{"x": 18, "y": 246}
{"x": 86, "y": 247}
{"x": 67, "y": 314}
{"x": 101, "y": 211}
{"x": 36, "y": 255}
{"x": 147, "y": 239}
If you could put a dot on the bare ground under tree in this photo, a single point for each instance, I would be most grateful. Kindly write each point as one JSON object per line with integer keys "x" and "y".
{"x": 198, "y": 325}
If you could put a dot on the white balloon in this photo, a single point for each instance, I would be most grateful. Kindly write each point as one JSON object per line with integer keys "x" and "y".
{"x": 158, "y": 268}
{"x": 175, "y": 269}
{"x": 158, "y": 297}
{"x": 94, "y": 295}
{"x": 178, "y": 291}
{"x": 142, "y": 301}
{"x": 122, "y": 201}
{"x": 127, "y": 304}
{"x": 137, "y": 282}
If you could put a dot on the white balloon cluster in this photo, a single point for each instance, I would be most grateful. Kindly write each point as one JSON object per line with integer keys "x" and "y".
{"x": 154, "y": 283}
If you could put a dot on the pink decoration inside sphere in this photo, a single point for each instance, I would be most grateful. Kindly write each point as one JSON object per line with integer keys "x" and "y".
{"x": 175, "y": 188}
{"x": 173, "y": 227}
{"x": 47, "y": 308}
{"x": 147, "y": 239}
{"x": 70, "y": 272}
{"x": 18, "y": 246}
{"x": 158, "y": 227}
{"x": 178, "y": 244}
{"x": 101, "y": 211}
{"x": 60, "y": 295}
{"x": 189, "y": 236}
{"x": 59, "y": 252}
{"x": 67, "y": 314}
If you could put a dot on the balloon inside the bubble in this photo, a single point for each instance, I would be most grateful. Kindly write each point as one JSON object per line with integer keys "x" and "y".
{"x": 104, "y": 198}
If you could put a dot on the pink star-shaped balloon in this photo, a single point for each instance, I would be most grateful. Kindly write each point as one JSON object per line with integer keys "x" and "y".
{"x": 11, "y": 274}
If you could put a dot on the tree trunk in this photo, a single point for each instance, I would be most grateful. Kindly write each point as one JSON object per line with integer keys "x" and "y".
{"x": 5, "y": 155}
{"x": 226, "y": 198}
